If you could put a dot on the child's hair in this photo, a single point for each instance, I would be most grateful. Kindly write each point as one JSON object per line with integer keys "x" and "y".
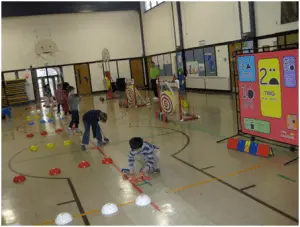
{"x": 103, "y": 116}
{"x": 70, "y": 88}
{"x": 136, "y": 143}
{"x": 65, "y": 85}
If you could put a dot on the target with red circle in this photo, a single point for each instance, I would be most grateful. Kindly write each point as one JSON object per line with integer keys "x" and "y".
{"x": 166, "y": 103}
{"x": 130, "y": 94}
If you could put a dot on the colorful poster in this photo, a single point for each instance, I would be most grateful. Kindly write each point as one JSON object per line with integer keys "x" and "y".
{"x": 180, "y": 71}
{"x": 192, "y": 68}
{"x": 268, "y": 85}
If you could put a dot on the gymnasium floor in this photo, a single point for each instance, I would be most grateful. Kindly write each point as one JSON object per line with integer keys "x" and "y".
{"x": 201, "y": 182}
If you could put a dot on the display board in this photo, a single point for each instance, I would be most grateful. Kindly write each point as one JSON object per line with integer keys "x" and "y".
{"x": 180, "y": 72}
{"x": 268, "y": 93}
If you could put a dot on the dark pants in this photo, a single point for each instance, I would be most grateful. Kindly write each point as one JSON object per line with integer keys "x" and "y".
{"x": 75, "y": 119}
{"x": 96, "y": 132}
{"x": 58, "y": 107}
{"x": 154, "y": 87}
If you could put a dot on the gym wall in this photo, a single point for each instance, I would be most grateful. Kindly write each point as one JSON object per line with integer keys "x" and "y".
{"x": 158, "y": 29}
{"x": 79, "y": 37}
{"x": 213, "y": 23}
{"x": 210, "y": 29}
{"x": 268, "y": 19}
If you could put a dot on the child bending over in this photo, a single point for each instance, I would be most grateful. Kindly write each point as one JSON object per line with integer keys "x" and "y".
{"x": 145, "y": 150}
{"x": 73, "y": 103}
{"x": 91, "y": 118}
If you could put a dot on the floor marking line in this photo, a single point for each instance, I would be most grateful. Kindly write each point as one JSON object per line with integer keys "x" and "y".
{"x": 240, "y": 191}
{"x": 215, "y": 179}
{"x": 286, "y": 178}
{"x": 78, "y": 202}
{"x": 119, "y": 170}
{"x": 248, "y": 187}
{"x": 209, "y": 167}
{"x": 63, "y": 203}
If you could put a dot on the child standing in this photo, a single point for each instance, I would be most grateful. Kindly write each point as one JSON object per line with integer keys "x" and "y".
{"x": 91, "y": 118}
{"x": 147, "y": 151}
{"x": 59, "y": 96}
{"x": 47, "y": 93}
{"x": 66, "y": 97}
{"x": 73, "y": 103}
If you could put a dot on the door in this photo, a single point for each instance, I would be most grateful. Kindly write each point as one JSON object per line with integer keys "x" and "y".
{"x": 137, "y": 72}
{"x": 44, "y": 76}
{"x": 149, "y": 65}
{"x": 83, "y": 79}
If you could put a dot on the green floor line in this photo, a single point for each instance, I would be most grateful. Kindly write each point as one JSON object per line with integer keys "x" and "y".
{"x": 286, "y": 178}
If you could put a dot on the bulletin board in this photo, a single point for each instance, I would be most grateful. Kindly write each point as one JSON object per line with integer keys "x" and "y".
{"x": 268, "y": 94}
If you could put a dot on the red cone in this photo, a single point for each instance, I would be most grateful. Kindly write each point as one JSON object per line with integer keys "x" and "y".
{"x": 84, "y": 164}
{"x": 107, "y": 161}
{"x": 59, "y": 130}
{"x": 30, "y": 135}
{"x": 54, "y": 171}
{"x": 19, "y": 179}
{"x": 44, "y": 133}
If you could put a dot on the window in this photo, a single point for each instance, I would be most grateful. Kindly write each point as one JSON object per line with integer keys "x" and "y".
{"x": 151, "y": 4}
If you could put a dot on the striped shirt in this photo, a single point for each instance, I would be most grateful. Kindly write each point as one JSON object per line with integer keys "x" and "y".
{"x": 146, "y": 151}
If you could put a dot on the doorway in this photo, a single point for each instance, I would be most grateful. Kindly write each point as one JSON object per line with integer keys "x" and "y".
{"x": 137, "y": 72}
{"x": 44, "y": 76}
{"x": 149, "y": 66}
{"x": 83, "y": 79}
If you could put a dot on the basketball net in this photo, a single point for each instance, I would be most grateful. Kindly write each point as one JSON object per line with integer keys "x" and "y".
{"x": 46, "y": 59}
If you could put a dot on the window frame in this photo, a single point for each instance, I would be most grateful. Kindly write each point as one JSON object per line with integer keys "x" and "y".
{"x": 158, "y": 3}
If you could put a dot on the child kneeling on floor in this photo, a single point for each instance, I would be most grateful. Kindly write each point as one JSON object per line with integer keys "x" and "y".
{"x": 91, "y": 118}
{"x": 73, "y": 104}
{"x": 146, "y": 151}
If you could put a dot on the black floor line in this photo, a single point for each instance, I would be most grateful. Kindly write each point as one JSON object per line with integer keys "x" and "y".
{"x": 76, "y": 198}
{"x": 78, "y": 202}
{"x": 67, "y": 202}
{"x": 85, "y": 219}
{"x": 227, "y": 184}
{"x": 209, "y": 167}
{"x": 245, "y": 188}
{"x": 71, "y": 186}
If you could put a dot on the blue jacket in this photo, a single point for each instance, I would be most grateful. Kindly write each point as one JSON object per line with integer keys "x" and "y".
{"x": 92, "y": 117}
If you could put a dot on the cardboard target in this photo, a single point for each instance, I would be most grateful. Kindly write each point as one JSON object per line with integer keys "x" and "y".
{"x": 166, "y": 103}
{"x": 130, "y": 94}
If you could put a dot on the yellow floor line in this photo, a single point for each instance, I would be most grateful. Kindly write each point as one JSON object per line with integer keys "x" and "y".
{"x": 170, "y": 191}
{"x": 87, "y": 213}
{"x": 215, "y": 179}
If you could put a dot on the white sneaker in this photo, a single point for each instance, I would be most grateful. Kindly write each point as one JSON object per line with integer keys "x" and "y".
{"x": 70, "y": 130}
{"x": 155, "y": 98}
{"x": 78, "y": 130}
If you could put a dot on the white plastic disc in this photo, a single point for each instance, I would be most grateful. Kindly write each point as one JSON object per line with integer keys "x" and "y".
{"x": 142, "y": 200}
{"x": 63, "y": 219}
{"x": 109, "y": 209}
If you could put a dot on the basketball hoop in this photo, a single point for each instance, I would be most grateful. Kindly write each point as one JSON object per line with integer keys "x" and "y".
{"x": 105, "y": 55}
{"x": 45, "y": 49}
{"x": 106, "y": 58}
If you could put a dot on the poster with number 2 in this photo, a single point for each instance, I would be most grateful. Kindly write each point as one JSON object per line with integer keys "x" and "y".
{"x": 268, "y": 85}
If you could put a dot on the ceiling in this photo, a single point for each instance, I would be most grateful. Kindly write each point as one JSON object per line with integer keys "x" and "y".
{"x": 15, "y": 9}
